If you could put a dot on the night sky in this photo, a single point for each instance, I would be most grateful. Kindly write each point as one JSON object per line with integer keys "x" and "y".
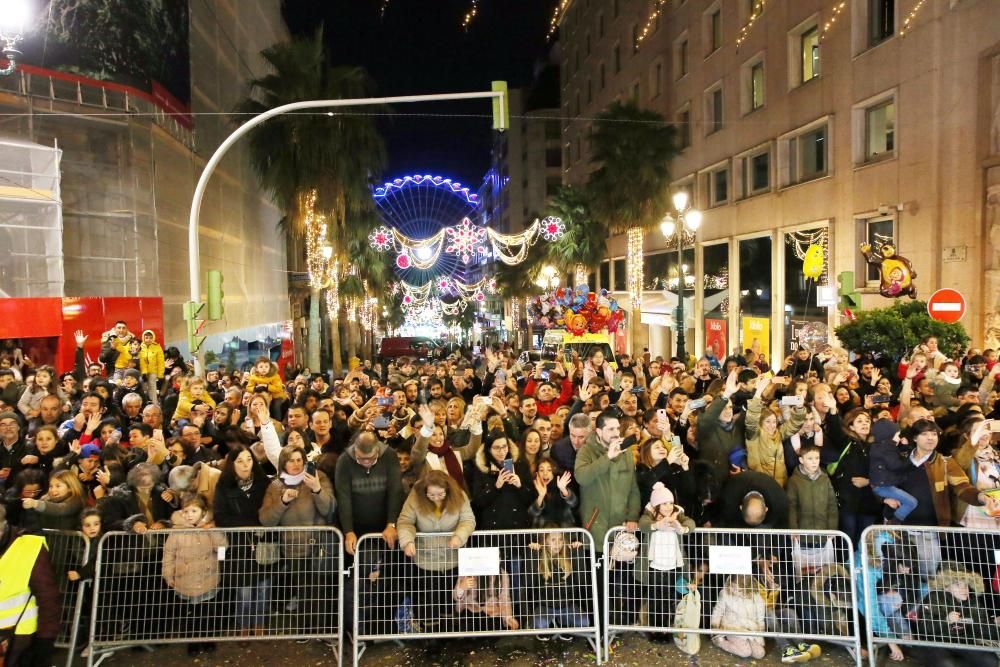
{"x": 420, "y": 48}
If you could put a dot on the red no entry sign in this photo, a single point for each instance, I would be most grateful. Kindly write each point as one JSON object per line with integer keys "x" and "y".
{"x": 946, "y": 305}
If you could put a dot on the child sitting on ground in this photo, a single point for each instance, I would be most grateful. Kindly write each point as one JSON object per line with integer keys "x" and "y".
{"x": 739, "y": 608}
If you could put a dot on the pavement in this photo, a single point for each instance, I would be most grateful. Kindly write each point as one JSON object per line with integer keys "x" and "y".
{"x": 633, "y": 651}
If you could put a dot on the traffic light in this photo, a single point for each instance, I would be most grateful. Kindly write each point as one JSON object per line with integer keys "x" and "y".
{"x": 501, "y": 109}
{"x": 215, "y": 295}
{"x": 849, "y": 297}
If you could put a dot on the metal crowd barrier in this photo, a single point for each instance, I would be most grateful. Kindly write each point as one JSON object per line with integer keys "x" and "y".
{"x": 739, "y": 586}
{"x": 534, "y": 582}
{"x": 181, "y": 586}
{"x": 69, "y": 550}
{"x": 933, "y": 588}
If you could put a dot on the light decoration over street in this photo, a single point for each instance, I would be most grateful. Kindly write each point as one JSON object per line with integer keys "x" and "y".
{"x": 466, "y": 240}
{"x": 553, "y": 228}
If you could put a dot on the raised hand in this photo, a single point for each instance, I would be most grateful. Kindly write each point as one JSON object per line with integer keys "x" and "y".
{"x": 562, "y": 482}
{"x": 79, "y": 337}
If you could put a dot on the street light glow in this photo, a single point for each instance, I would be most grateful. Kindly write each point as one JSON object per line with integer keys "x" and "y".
{"x": 14, "y": 15}
{"x": 327, "y": 252}
{"x": 680, "y": 200}
{"x": 692, "y": 219}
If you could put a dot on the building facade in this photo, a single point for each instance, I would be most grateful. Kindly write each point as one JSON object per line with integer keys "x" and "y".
{"x": 128, "y": 169}
{"x": 810, "y": 122}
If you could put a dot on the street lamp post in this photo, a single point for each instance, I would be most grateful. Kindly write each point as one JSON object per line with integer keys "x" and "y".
{"x": 688, "y": 219}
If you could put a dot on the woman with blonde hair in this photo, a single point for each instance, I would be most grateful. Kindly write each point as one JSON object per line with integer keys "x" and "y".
{"x": 437, "y": 504}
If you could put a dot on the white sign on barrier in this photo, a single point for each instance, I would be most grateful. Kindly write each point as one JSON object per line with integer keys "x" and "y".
{"x": 729, "y": 560}
{"x": 479, "y": 561}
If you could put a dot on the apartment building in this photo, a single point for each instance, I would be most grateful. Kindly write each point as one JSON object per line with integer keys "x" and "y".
{"x": 816, "y": 121}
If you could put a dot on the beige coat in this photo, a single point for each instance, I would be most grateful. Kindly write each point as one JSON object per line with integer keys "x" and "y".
{"x": 308, "y": 509}
{"x": 191, "y": 560}
{"x": 433, "y": 553}
{"x": 766, "y": 453}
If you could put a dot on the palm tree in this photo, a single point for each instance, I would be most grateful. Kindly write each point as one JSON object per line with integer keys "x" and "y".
{"x": 584, "y": 244}
{"x": 298, "y": 153}
{"x": 629, "y": 191}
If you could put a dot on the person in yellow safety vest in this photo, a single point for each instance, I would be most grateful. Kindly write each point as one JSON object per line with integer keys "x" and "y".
{"x": 29, "y": 599}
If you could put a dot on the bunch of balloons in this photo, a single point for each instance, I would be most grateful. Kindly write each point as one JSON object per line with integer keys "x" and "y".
{"x": 578, "y": 310}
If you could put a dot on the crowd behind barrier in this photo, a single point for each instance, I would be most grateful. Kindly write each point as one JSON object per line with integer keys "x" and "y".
{"x": 709, "y": 500}
{"x": 541, "y": 583}
{"x": 205, "y": 585}
{"x": 738, "y": 587}
{"x": 936, "y": 588}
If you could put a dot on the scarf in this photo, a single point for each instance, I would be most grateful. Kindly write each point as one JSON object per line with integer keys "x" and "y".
{"x": 451, "y": 462}
{"x": 293, "y": 480}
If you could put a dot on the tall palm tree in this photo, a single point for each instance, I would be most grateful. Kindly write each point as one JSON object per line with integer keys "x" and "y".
{"x": 333, "y": 156}
{"x": 584, "y": 244}
{"x": 629, "y": 191}
{"x": 518, "y": 281}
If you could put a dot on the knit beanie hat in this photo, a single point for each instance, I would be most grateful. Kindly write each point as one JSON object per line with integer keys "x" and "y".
{"x": 660, "y": 495}
{"x": 133, "y": 373}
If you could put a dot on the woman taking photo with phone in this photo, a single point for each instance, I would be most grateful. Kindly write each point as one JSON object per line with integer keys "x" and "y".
{"x": 300, "y": 496}
{"x": 501, "y": 485}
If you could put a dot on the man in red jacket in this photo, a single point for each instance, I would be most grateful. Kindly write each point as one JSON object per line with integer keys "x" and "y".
{"x": 549, "y": 396}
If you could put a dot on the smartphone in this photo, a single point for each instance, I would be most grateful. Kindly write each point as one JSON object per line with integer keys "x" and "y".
{"x": 384, "y": 401}
{"x": 381, "y": 422}
{"x": 795, "y": 401}
{"x": 696, "y": 404}
{"x": 878, "y": 398}
{"x": 311, "y": 468}
{"x": 549, "y": 365}
{"x": 508, "y": 465}
{"x": 628, "y": 442}
{"x": 501, "y": 376}
{"x": 158, "y": 433}
{"x": 637, "y": 390}
{"x": 661, "y": 414}
{"x": 675, "y": 443}
{"x": 545, "y": 375}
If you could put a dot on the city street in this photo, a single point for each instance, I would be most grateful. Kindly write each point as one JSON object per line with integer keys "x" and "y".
{"x": 469, "y": 318}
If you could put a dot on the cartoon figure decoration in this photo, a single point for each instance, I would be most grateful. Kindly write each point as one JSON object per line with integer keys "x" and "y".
{"x": 895, "y": 271}
{"x": 812, "y": 263}
{"x": 577, "y": 310}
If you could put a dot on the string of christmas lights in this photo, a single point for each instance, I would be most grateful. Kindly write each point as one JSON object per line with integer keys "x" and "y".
{"x": 908, "y": 21}
{"x": 837, "y": 10}
{"x": 554, "y": 21}
{"x": 633, "y": 270}
{"x": 470, "y": 15}
{"x": 756, "y": 11}
{"x": 651, "y": 21}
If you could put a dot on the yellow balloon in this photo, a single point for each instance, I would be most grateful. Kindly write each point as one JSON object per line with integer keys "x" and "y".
{"x": 812, "y": 263}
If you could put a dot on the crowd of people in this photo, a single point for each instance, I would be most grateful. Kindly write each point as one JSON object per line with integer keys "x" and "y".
{"x": 136, "y": 442}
